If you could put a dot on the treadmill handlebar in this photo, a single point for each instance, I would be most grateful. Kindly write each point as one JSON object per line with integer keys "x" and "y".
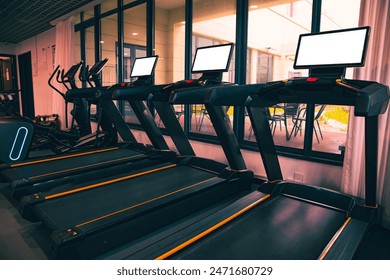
{"x": 233, "y": 95}
{"x": 197, "y": 93}
{"x": 89, "y": 93}
{"x": 135, "y": 92}
{"x": 56, "y": 73}
{"x": 165, "y": 93}
{"x": 372, "y": 100}
{"x": 369, "y": 98}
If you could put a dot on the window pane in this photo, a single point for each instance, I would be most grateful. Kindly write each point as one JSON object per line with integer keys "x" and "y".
{"x": 88, "y": 14}
{"x": 109, "y": 38}
{"x": 90, "y": 46}
{"x": 90, "y": 55}
{"x": 77, "y": 19}
{"x": 214, "y": 23}
{"x": 108, "y": 5}
{"x": 135, "y": 25}
{"x": 127, "y": 1}
{"x": 273, "y": 33}
{"x": 134, "y": 46}
{"x": 334, "y": 15}
{"x": 331, "y": 125}
{"x": 170, "y": 42}
{"x": 77, "y": 53}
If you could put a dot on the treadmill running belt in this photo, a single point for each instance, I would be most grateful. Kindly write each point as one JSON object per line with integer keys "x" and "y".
{"x": 90, "y": 208}
{"x": 66, "y": 165}
{"x": 281, "y": 228}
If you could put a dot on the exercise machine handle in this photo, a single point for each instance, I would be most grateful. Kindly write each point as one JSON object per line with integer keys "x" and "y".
{"x": 57, "y": 73}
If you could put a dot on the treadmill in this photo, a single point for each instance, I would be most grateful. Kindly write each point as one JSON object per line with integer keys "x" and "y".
{"x": 136, "y": 93}
{"x": 34, "y": 176}
{"x": 286, "y": 220}
{"x": 101, "y": 215}
{"x": 82, "y": 100}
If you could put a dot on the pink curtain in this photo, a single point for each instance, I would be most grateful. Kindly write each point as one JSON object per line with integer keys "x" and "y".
{"x": 64, "y": 56}
{"x": 374, "y": 13}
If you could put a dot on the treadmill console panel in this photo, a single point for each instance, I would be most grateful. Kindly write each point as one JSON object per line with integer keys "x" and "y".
{"x": 211, "y": 62}
{"x": 327, "y": 55}
{"x": 187, "y": 83}
{"x": 369, "y": 98}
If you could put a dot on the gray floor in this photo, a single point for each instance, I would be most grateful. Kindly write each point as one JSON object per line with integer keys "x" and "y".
{"x": 23, "y": 240}
{"x": 19, "y": 239}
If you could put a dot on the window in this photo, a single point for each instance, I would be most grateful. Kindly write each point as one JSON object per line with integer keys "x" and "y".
{"x": 134, "y": 45}
{"x": 77, "y": 54}
{"x": 330, "y": 135}
{"x": 108, "y": 5}
{"x": 7, "y": 75}
{"x": 273, "y": 30}
{"x": 108, "y": 44}
{"x": 170, "y": 43}
{"x": 259, "y": 67}
{"x": 214, "y": 23}
{"x": 271, "y": 57}
{"x": 130, "y": 53}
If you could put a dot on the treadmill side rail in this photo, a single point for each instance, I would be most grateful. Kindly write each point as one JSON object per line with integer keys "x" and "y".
{"x": 348, "y": 241}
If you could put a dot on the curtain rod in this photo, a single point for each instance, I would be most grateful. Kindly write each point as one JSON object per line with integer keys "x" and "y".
{"x": 74, "y": 12}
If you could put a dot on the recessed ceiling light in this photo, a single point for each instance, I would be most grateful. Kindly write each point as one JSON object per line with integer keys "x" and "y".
{"x": 134, "y": 33}
{"x": 253, "y": 6}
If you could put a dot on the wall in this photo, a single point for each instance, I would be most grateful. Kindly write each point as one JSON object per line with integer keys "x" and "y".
{"x": 40, "y": 47}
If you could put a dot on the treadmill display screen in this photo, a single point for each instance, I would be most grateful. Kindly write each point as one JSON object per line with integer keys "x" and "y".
{"x": 339, "y": 48}
{"x": 143, "y": 66}
{"x": 212, "y": 58}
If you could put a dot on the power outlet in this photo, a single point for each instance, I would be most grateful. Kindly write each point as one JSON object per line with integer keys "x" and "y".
{"x": 298, "y": 177}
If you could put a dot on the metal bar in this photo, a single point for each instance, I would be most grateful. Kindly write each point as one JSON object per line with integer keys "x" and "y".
{"x": 97, "y": 33}
{"x": 240, "y": 59}
{"x": 265, "y": 142}
{"x": 188, "y": 59}
{"x": 147, "y": 122}
{"x": 316, "y": 16}
{"x": 150, "y": 27}
{"x": 120, "y": 42}
{"x": 116, "y": 118}
{"x": 179, "y": 138}
{"x": 371, "y": 154}
{"x": 226, "y": 137}
{"x": 83, "y": 50}
{"x": 309, "y": 124}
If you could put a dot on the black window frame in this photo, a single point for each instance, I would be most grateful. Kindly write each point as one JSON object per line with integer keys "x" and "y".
{"x": 241, "y": 49}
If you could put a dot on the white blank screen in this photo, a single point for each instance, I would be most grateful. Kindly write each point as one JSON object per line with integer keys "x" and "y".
{"x": 332, "y": 48}
{"x": 214, "y": 58}
{"x": 143, "y": 66}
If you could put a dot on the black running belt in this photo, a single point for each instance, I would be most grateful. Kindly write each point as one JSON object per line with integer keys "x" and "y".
{"x": 96, "y": 206}
{"x": 279, "y": 228}
{"x": 68, "y": 164}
